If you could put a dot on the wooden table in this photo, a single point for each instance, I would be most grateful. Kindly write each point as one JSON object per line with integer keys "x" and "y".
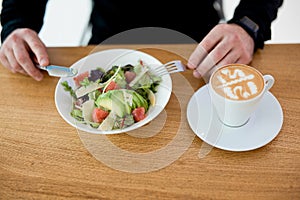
{"x": 42, "y": 156}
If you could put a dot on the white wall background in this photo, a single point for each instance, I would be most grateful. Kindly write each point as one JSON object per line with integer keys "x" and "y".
{"x": 285, "y": 29}
{"x": 66, "y": 22}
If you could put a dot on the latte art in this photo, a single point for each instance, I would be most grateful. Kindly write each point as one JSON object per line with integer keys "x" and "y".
{"x": 238, "y": 82}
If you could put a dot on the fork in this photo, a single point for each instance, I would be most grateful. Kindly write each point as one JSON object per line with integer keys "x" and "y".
{"x": 169, "y": 68}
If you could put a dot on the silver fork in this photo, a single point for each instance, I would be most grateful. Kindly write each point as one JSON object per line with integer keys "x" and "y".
{"x": 169, "y": 68}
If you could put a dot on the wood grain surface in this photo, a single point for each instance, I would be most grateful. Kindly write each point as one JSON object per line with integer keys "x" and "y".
{"x": 43, "y": 157}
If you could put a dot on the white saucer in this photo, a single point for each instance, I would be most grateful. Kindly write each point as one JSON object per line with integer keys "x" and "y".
{"x": 262, "y": 127}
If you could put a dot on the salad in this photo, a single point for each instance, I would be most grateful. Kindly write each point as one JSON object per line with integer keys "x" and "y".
{"x": 113, "y": 99}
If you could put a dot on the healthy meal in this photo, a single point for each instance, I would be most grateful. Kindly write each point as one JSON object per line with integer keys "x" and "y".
{"x": 114, "y": 99}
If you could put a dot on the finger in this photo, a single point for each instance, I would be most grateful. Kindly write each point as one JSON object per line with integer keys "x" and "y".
{"x": 219, "y": 56}
{"x": 22, "y": 71}
{"x": 231, "y": 57}
{"x": 12, "y": 62}
{"x": 203, "y": 72}
{"x": 205, "y": 65}
{"x": 208, "y": 43}
{"x": 215, "y": 56}
{"x": 203, "y": 49}
{"x": 24, "y": 59}
{"x": 18, "y": 69}
{"x": 220, "y": 51}
{"x": 196, "y": 74}
{"x": 38, "y": 48}
{"x": 6, "y": 64}
{"x": 244, "y": 59}
{"x": 196, "y": 57}
{"x": 4, "y": 61}
{"x": 211, "y": 39}
{"x": 240, "y": 60}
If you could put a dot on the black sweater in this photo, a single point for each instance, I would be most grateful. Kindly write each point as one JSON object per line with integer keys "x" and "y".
{"x": 110, "y": 17}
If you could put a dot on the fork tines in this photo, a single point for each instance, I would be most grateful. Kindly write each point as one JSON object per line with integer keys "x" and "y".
{"x": 170, "y": 67}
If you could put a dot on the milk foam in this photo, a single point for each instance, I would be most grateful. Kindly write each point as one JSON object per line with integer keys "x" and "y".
{"x": 237, "y": 82}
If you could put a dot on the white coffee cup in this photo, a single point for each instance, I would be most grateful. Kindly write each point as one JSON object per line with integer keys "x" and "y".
{"x": 236, "y": 91}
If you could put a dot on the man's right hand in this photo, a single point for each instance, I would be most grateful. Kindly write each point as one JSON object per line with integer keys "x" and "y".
{"x": 21, "y": 50}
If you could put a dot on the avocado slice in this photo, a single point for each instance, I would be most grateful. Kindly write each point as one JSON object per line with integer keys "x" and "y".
{"x": 121, "y": 101}
{"x": 111, "y": 102}
{"x": 139, "y": 100}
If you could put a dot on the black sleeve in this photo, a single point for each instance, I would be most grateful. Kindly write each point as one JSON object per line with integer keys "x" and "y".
{"x": 262, "y": 13}
{"x": 21, "y": 14}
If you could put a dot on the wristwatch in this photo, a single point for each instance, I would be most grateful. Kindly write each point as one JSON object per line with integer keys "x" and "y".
{"x": 248, "y": 25}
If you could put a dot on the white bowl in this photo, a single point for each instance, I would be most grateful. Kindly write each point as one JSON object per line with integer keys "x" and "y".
{"x": 106, "y": 59}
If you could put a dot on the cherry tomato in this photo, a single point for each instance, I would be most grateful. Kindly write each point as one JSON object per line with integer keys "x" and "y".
{"x": 138, "y": 114}
{"x": 112, "y": 86}
{"x": 99, "y": 115}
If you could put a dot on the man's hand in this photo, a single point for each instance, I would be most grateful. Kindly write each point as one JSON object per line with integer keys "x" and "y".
{"x": 21, "y": 50}
{"x": 224, "y": 44}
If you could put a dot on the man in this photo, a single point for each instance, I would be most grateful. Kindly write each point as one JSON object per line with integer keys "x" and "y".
{"x": 219, "y": 44}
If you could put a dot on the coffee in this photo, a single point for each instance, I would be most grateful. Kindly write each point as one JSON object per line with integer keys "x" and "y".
{"x": 237, "y": 82}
